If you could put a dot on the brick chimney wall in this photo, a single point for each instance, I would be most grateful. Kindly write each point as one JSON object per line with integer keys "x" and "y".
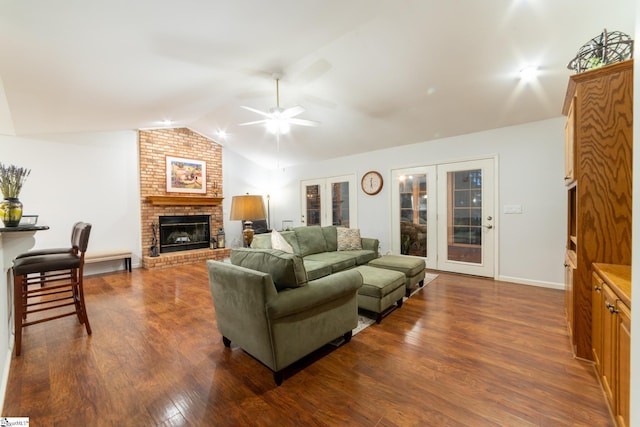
{"x": 154, "y": 146}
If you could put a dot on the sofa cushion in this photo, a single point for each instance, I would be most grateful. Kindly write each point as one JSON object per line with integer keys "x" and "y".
{"x": 331, "y": 237}
{"x": 290, "y": 237}
{"x": 349, "y": 239}
{"x": 310, "y": 240}
{"x": 279, "y": 242}
{"x": 364, "y": 256}
{"x": 286, "y": 270}
{"x": 316, "y": 269}
{"x": 410, "y": 266}
{"x": 338, "y": 260}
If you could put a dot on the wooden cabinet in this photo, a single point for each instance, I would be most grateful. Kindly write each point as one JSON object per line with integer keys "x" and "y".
{"x": 598, "y": 138}
{"x": 611, "y": 335}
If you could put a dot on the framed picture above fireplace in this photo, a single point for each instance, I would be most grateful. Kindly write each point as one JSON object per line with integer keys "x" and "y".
{"x": 186, "y": 175}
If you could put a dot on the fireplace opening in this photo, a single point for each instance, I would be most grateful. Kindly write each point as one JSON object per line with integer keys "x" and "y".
{"x": 184, "y": 232}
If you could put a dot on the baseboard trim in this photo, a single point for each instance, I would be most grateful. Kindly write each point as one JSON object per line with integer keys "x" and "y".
{"x": 539, "y": 283}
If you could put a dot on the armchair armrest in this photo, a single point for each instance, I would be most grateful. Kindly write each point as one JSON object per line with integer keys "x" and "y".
{"x": 315, "y": 293}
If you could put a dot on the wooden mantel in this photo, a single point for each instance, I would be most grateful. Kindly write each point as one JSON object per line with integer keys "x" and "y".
{"x": 184, "y": 200}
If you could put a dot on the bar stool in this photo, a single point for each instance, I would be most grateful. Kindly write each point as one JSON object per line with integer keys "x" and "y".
{"x": 50, "y": 279}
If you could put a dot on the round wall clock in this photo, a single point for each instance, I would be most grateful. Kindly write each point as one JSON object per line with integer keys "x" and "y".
{"x": 371, "y": 182}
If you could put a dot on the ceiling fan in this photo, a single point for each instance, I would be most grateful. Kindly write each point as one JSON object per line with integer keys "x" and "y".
{"x": 279, "y": 120}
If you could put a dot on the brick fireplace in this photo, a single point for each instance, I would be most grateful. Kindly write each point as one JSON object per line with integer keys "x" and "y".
{"x": 155, "y": 201}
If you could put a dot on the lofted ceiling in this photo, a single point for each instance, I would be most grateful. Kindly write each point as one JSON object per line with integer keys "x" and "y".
{"x": 376, "y": 74}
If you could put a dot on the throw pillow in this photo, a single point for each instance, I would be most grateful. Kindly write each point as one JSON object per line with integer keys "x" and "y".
{"x": 349, "y": 239}
{"x": 278, "y": 242}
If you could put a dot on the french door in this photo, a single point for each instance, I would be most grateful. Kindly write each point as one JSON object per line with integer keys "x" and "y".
{"x": 414, "y": 216}
{"x": 445, "y": 214}
{"x": 329, "y": 201}
{"x": 466, "y": 226}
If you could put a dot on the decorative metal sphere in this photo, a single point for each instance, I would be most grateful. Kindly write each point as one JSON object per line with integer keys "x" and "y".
{"x": 604, "y": 49}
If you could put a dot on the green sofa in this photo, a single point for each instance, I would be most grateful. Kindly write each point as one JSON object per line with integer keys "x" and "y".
{"x": 318, "y": 247}
{"x": 266, "y": 304}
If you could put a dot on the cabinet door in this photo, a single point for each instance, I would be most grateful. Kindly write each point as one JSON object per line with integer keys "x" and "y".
{"x": 609, "y": 332}
{"x": 624, "y": 363}
{"x": 597, "y": 306}
{"x": 569, "y": 270}
{"x": 569, "y": 145}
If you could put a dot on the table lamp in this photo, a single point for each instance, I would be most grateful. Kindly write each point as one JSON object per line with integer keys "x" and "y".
{"x": 247, "y": 208}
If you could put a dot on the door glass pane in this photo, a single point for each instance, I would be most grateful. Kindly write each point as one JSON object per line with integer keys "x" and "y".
{"x": 340, "y": 204}
{"x": 413, "y": 214}
{"x": 313, "y": 204}
{"x": 465, "y": 216}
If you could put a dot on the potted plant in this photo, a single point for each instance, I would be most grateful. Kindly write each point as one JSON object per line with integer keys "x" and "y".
{"x": 11, "y": 180}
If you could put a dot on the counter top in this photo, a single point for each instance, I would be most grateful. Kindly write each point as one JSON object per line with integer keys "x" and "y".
{"x": 618, "y": 277}
{"x": 23, "y": 228}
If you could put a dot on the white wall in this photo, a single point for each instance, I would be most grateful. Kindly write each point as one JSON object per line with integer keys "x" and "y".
{"x": 530, "y": 173}
{"x": 240, "y": 176}
{"x": 90, "y": 177}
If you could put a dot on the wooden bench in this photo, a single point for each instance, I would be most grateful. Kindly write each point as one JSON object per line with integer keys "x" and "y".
{"x": 109, "y": 255}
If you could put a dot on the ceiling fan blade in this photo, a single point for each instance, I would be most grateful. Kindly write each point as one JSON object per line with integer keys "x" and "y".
{"x": 262, "y": 113}
{"x": 303, "y": 122}
{"x": 293, "y": 111}
{"x": 256, "y": 122}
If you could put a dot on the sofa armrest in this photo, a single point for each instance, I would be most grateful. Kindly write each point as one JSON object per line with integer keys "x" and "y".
{"x": 370, "y": 244}
{"x": 320, "y": 291}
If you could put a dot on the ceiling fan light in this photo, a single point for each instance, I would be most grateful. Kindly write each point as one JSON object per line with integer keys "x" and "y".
{"x": 276, "y": 126}
{"x": 279, "y": 120}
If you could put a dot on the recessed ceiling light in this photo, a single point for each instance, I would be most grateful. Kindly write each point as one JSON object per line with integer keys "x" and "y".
{"x": 222, "y": 134}
{"x": 529, "y": 73}
{"x": 166, "y": 122}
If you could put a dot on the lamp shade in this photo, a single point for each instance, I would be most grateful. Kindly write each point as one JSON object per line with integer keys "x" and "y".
{"x": 247, "y": 207}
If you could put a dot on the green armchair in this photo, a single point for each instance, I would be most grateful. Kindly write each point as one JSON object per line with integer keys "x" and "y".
{"x": 265, "y": 305}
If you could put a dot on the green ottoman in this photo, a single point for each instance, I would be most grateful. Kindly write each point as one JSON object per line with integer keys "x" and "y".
{"x": 413, "y": 268}
{"x": 380, "y": 290}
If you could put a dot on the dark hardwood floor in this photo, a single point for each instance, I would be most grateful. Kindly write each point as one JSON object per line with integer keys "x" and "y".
{"x": 464, "y": 351}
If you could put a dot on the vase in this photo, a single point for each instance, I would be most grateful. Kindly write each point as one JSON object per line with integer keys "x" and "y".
{"x": 11, "y": 211}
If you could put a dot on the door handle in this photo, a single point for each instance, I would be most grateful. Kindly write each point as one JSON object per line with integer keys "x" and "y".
{"x": 488, "y": 227}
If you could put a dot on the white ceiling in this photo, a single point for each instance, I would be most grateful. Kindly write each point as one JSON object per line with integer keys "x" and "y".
{"x": 375, "y": 73}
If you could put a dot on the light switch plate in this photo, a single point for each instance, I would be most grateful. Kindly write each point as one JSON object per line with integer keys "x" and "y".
{"x": 512, "y": 209}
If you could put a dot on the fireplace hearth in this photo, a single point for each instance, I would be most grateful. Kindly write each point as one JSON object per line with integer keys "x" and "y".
{"x": 184, "y": 232}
